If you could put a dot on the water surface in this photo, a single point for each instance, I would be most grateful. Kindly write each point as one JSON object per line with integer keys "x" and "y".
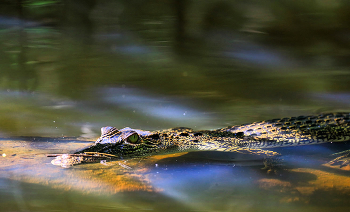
{"x": 66, "y": 72}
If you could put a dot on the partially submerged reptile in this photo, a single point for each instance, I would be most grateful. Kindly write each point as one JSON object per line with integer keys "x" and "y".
{"x": 256, "y": 138}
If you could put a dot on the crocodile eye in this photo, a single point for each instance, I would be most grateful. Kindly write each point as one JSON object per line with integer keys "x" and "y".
{"x": 134, "y": 138}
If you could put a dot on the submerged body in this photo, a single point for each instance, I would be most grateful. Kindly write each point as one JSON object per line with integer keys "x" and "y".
{"x": 255, "y": 138}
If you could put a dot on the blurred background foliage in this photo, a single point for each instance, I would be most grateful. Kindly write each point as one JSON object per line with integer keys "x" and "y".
{"x": 238, "y": 61}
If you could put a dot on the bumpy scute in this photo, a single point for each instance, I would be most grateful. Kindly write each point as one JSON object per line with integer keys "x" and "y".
{"x": 252, "y": 138}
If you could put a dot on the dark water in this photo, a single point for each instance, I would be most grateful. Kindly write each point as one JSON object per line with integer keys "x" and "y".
{"x": 69, "y": 68}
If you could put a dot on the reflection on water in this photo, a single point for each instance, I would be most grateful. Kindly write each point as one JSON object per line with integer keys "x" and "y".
{"x": 68, "y": 68}
{"x": 187, "y": 181}
{"x": 244, "y": 50}
{"x": 9, "y": 22}
{"x": 159, "y": 107}
{"x": 341, "y": 98}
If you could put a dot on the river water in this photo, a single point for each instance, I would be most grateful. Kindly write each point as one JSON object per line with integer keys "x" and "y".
{"x": 140, "y": 65}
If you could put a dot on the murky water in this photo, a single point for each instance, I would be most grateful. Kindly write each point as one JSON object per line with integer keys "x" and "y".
{"x": 122, "y": 65}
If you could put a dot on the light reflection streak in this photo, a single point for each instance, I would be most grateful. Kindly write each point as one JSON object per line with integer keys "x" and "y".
{"x": 151, "y": 105}
{"x": 343, "y": 98}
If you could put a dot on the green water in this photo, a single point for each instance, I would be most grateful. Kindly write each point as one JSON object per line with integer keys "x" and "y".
{"x": 69, "y": 68}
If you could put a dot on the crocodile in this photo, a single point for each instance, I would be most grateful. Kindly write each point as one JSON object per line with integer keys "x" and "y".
{"x": 256, "y": 138}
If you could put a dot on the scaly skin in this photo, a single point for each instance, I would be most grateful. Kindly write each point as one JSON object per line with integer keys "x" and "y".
{"x": 252, "y": 138}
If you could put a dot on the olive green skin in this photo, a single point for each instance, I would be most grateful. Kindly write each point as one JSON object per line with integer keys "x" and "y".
{"x": 255, "y": 138}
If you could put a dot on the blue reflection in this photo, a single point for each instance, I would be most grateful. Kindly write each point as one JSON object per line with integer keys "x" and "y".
{"x": 109, "y": 36}
{"x": 306, "y": 156}
{"x": 237, "y": 46}
{"x": 256, "y": 54}
{"x": 343, "y": 98}
{"x": 190, "y": 182}
{"x": 263, "y": 57}
{"x": 4, "y": 186}
{"x": 126, "y": 43}
{"x": 7, "y": 22}
{"x": 132, "y": 49}
{"x": 150, "y": 105}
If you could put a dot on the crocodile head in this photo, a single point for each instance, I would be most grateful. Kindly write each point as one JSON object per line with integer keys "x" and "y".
{"x": 132, "y": 143}
{"x": 129, "y": 143}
